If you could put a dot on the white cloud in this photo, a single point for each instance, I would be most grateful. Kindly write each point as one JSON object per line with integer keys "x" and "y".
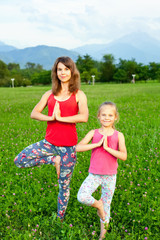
{"x": 73, "y": 23}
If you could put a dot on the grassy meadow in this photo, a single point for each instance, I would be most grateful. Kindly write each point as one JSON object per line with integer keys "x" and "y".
{"x": 28, "y": 197}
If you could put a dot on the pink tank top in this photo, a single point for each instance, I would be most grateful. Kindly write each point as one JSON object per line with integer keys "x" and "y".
{"x": 102, "y": 162}
{"x": 60, "y": 133}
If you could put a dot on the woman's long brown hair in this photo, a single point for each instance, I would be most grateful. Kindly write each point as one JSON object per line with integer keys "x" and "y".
{"x": 74, "y": 83}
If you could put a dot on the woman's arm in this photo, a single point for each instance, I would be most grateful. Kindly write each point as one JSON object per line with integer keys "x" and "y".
{"x": 36, "y": 112}
{"x": 82, "y": 116}
{"x": 83, "y": 144}
{"x": 122, "y": 152}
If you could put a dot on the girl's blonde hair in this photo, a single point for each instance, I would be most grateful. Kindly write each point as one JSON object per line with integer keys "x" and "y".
{"x": 112, "y": 105}
{"x": 74, "y": 83}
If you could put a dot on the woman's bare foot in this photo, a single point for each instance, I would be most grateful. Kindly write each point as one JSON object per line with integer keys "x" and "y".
{"x": 57, "y": 165}
{"x": 100, "y": 211}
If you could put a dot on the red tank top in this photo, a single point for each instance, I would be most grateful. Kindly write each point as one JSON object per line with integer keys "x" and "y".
{"x": 60, "y": 133}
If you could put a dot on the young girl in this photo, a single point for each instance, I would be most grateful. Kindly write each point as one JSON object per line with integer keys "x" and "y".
{"x": 107, "y": 145}
{"x": 67, "y": 105}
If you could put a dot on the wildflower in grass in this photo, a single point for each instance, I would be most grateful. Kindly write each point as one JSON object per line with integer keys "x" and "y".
{"x": 71, "y": 225}
{"x": 126, "y": 230}
{"x": 145, "y": 238}
{"x": 14, "y": 194}
{"x": 146, "y": 228}
{"x": 93, "y": 232}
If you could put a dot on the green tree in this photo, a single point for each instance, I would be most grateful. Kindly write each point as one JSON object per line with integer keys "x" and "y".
{"x": 43, "y": 77}
{"x": 107, "y": 68}
{"x": 130, "y": 66}
{"x": 120, "y": 76}
{"x": 3, "y": 70}
{"x": 143, "y": 72}
{"x": 87, "y": 67}
{"x": 13, "y": 66}
{"x": 154, "y": 70}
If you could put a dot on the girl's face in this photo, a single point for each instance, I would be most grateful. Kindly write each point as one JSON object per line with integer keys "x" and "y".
{"x": 107, "y": 116}
{"x": 63, "y": 73}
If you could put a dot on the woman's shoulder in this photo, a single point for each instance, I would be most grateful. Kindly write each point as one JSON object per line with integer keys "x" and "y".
{"x": 48, "y": 93}
{"x": 80, "y": 95}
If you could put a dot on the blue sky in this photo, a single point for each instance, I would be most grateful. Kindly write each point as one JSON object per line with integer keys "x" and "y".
{"x": 69, "y": 24}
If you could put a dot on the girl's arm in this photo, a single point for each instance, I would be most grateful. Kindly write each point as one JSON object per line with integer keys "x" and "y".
{"x": 83, "y": 144}
{"x": 82, "y": 116}
{"x": 36, "y": 112}
{"x": 122, "y": 152}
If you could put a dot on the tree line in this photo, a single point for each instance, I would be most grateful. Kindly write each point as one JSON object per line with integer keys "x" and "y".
{"x": 106, "y": 70}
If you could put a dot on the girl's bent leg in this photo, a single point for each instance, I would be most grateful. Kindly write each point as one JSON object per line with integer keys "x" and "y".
{"x": 36, "y": 154}
{"x": 88, "y": 187}
{"x": 84, "y": 196}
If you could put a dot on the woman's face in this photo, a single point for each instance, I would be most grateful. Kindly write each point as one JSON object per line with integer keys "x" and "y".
{"x": 63, "y": 73}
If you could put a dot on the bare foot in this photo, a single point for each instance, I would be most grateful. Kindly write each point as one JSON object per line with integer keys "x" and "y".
{"x": 100, "y": 211}
{"x": 57, "y": 165}
{"x": 103, "y": 231}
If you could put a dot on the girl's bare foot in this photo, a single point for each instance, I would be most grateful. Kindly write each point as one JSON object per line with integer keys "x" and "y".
{"x": 103, "y": 230}
{"x": 100, "y": 211}
{"x": 57, "y": 165}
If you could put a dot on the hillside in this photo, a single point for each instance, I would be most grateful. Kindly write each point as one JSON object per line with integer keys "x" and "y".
{"x": 140, "y": 46}
{"x": 43, "y": 55}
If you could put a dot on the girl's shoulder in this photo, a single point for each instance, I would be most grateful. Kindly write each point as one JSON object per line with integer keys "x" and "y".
{"x": 120, "y": 135}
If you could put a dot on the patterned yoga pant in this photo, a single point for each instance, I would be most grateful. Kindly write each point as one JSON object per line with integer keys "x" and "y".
{"x": 44, "y": 152}
{"x": 90, "y": 184}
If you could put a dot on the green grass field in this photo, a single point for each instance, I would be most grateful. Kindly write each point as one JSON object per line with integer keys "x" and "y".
{"x": 28, "y": 197}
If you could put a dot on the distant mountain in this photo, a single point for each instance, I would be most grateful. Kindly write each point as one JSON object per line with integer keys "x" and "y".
{"x": 140, "y": 46}
{"x": 6, "y": 48}
{"x": 43, "y": 55}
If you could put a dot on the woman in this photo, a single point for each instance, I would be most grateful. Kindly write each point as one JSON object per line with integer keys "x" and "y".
{"x": 67, "y": 105}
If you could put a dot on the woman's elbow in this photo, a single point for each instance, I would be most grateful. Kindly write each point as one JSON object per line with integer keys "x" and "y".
{"x": 85, "y": 118}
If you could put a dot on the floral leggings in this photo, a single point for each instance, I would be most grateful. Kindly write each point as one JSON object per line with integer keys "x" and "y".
{"x": 44, "y": 152}
{"x": 90, "y": 184}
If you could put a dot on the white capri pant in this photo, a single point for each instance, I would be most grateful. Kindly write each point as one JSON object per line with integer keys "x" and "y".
{"x": 89, "y": 186}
